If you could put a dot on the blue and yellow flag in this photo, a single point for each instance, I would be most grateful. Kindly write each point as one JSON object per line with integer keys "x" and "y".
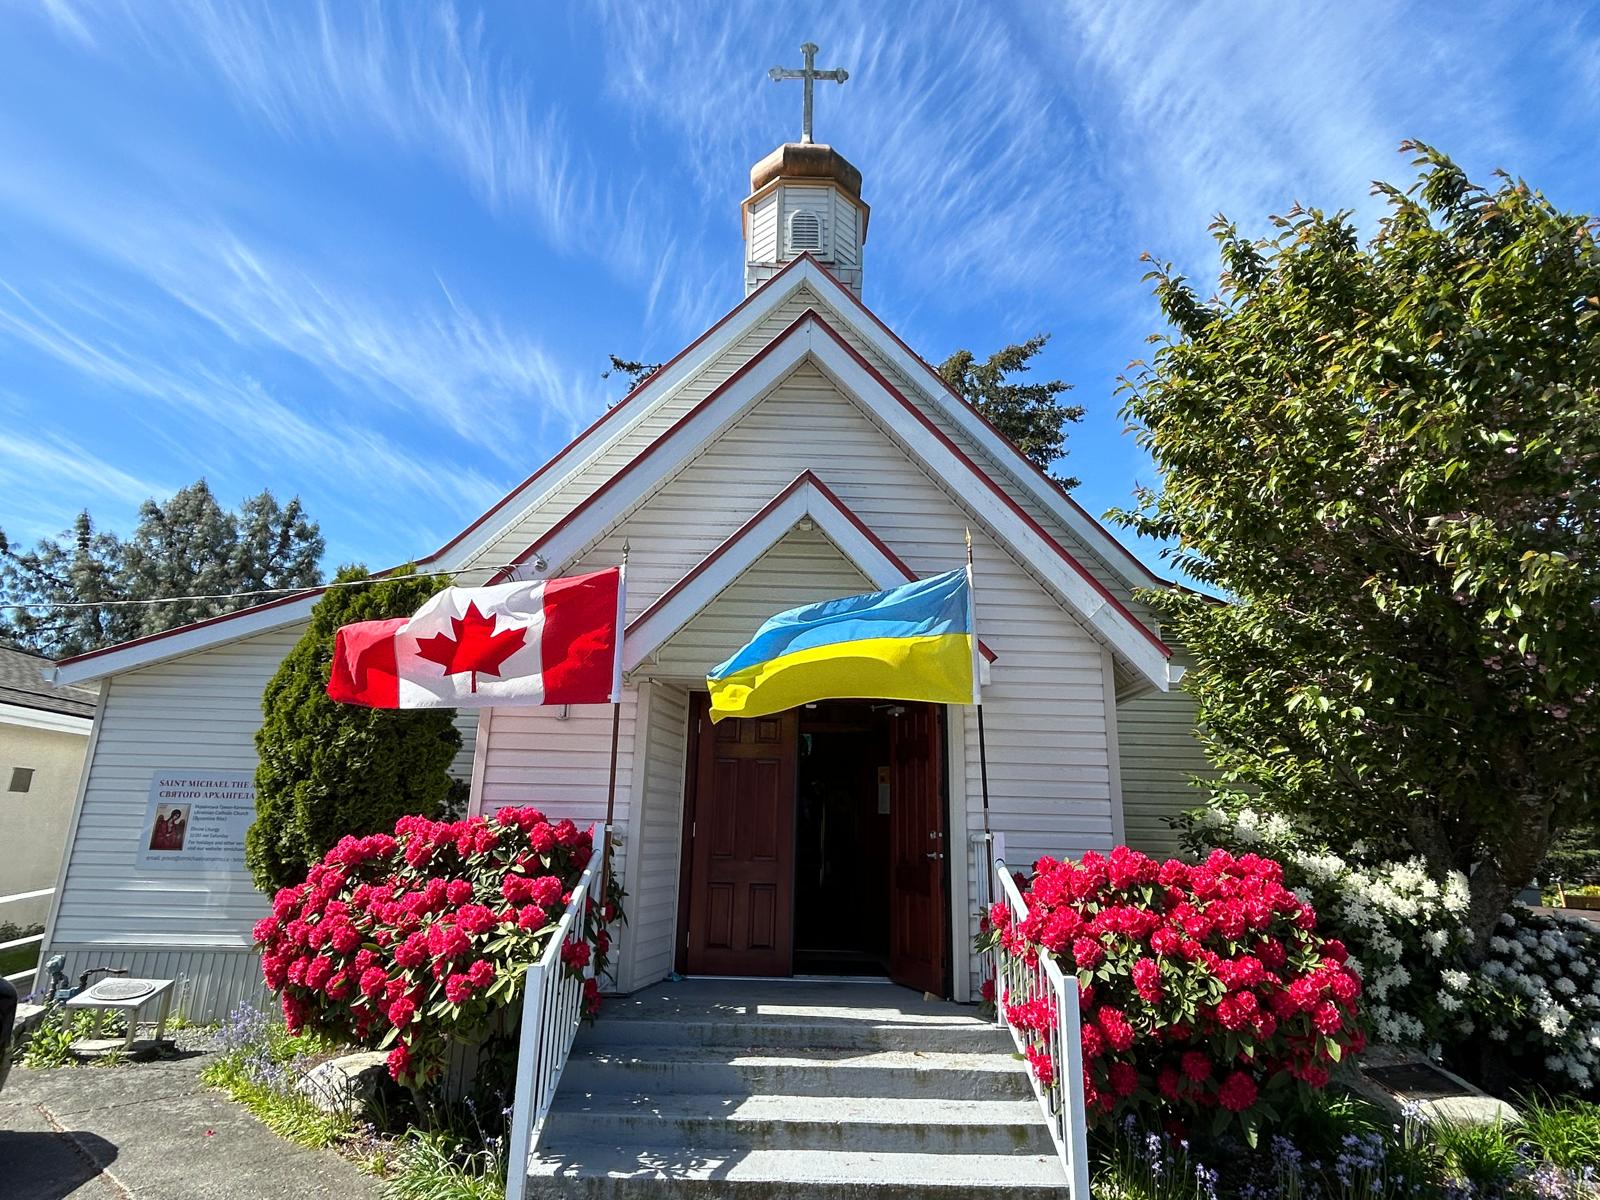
{"x": 914, "y": 642}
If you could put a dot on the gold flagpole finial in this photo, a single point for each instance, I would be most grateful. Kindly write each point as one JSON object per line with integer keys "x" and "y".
{"x": 969, "y": 545}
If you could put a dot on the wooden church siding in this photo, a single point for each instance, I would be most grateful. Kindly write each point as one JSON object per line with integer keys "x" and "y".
{"x": 198, "y": 712}
{"x": 763, "y": 231}
{"x": 846, "y": 226}
{"x": 578, "y": 485}
{"x": 562, "y": 766}
{"x": 1160, "y": 754}
{"x": 801, "y": 567}
{"x": 210, "y": 983}
{"x": 1049, "y": 774}
{"x": 658, "y": 833}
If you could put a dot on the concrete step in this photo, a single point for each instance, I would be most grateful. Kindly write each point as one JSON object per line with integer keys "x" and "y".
{"x": 711, "y": 1070}
{"x": 810, "y": 1032}
{"x": 596, "y": 1171}
{"x": 783, "y": 1122}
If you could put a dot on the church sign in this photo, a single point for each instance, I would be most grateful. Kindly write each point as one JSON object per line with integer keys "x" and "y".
{"x": 196, "y": 821}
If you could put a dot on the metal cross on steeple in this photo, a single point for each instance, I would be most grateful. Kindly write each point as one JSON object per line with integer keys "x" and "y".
{"x": 807, "y": 75}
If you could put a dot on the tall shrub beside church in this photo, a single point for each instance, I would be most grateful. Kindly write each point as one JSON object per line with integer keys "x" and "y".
{"x": 333, "y": 770}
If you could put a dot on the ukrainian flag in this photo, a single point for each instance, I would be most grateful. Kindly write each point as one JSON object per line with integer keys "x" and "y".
{"x": 914, "y": 642}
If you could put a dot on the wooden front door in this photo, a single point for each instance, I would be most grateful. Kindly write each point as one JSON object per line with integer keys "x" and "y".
{"x": 742, "y": 846}
{"x": 918, "y": 905}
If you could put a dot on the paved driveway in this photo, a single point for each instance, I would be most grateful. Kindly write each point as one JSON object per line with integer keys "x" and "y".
{"x": 151, "y": 1131}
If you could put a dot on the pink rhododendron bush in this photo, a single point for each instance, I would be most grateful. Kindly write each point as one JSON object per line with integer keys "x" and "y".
{"x": 421, "y": 938}
{"x": 1207, "y": 994}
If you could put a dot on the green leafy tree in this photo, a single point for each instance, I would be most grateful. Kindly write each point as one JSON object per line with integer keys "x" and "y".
{"x": 187, "y": 545}
{"x": 1030, "y": 413}
{"x": 327, "y": 769}
{"x": 1388, "y": 457}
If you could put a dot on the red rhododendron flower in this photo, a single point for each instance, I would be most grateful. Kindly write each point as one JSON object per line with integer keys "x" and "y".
{"x": 1044, "y": 1070}
{"x": 1148, "y": 930}
{"x": 1195, "y": 1065}
{"x": 1237, "y": 1093}
{"x": 385, "y": 927}
{"x": 1124, "y": 1079}
{"x": 1147, "y": 980}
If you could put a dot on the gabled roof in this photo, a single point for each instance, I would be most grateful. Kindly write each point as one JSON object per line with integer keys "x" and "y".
{"x": 23, "y": 685}
{"x": 811, "y": 338}
{"x": 1090, "y": 597}
{"x": 806, "y": 497}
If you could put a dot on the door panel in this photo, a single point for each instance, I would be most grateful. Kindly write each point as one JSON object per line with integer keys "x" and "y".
{"x": 918, "y": 842}
{"x": 741, "y": 857}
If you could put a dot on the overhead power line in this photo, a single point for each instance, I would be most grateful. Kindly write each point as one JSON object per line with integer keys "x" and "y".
{"x": 287, "y": 591}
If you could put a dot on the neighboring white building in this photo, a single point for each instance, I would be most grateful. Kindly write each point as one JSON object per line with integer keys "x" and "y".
{"x": 796, "y": 451}
{"x": 43, "y": 731}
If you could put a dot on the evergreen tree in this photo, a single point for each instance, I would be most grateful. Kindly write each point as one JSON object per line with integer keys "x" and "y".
{"x": 187, "y": 545}
{"x": 1031, "y": 415}
{"x": 326, "y": 769}
{"x": 84, "y": 565}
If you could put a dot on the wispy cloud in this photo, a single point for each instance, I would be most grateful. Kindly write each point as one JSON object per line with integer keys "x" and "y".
{"x": 424, "y": 80}
{"x": 431, "y": 358}
{"x": 961, "y": 133}
{"x": 216, "y": 416}
{"x": 1250, "y": 114}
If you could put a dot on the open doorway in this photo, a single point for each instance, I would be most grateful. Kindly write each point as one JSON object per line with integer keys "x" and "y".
{"x": 814, "y": 842}
{"x": 841, "y": 884}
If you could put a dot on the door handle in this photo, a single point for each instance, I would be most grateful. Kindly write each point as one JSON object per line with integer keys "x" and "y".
{"x": 934, "y": 854}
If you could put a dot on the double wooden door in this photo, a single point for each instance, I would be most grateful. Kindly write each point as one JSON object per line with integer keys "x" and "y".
{"x": 740, "y": 839}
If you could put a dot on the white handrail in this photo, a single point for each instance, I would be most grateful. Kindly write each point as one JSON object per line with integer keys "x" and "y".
{"x": 552, "y": 1010}
{"x": 1016, "y": 981}
{"x": 32, "y": 939}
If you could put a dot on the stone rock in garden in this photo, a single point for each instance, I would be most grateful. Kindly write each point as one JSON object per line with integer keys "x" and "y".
{"x": 1408, "y": 1082}
{"x": 349, "y": 1084}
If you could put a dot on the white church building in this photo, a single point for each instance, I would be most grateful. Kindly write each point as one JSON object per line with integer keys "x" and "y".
{"x": 796, "y": 451}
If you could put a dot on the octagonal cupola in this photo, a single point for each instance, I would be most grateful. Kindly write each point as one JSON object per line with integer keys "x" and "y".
{"x": 804, "y": 198}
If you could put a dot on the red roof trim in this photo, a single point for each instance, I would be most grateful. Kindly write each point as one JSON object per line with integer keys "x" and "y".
{"x": 192, "y": 625}
{"x": 616, "y": 408}
{"x": 1000, "y": 493}
{"x": 1007, "y": 442}
{"x": 811, "y": 315}
{"x": 661, "y": 439}
{"x": 744, "y": 530}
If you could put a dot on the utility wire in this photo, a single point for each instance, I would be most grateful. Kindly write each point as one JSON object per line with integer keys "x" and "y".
{"x": 286, "y": 591}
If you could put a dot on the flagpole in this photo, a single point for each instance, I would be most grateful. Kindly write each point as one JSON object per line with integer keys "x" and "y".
{"x": 616, "y": 737}
{"x": 977, "y": 689}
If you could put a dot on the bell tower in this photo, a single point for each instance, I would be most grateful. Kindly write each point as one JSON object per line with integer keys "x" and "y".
{"x": 804, "y": 198}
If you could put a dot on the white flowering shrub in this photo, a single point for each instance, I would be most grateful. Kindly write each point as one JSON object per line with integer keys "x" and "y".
{"x": 1532, "y": 1002}
{"x": 1537, "y": 996}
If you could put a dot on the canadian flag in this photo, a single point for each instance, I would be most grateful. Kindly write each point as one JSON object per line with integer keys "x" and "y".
{"x": 556, "y": 641}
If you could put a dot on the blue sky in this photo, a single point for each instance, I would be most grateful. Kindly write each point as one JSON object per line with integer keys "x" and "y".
{"x": 376, "y": 255}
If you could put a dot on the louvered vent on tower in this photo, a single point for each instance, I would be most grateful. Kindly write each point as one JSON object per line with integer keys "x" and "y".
{"x": 805, "y": 230}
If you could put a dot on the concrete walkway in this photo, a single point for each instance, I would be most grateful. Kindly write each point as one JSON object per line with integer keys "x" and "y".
{"x": 152, "y": 1131}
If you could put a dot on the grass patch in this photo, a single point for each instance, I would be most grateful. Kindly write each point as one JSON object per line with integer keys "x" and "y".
{"x": 441, "y": 1166}
{"x": 1565, "y": 1133}
{"x": 287, "y": 1114}
{"x": 259, "y": 1068}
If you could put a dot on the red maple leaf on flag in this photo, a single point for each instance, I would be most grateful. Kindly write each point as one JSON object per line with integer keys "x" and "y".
{"x": 476, "y": 646}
